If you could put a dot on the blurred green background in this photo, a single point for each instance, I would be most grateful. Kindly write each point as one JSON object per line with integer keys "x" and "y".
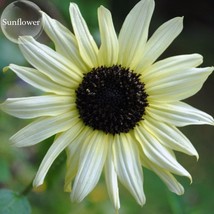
{"x": 19, "y": 165}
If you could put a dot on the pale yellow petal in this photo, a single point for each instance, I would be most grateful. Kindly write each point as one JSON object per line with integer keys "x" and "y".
{"x": 43, "y": 128}
{"x": 73, "y": 155}
{"x": 159, "y": 154}
{"x": 65, "y": 42}
{"x": 56, "y": 148}
{"x": 166, "y": 176}
{"x": 127, "y": 165}
{"x": 108, "y": 53}
{"x": 159, "y": 42}
{"x": 87, "y": 46}
{"x": 91, "y": 162}
{"x": 32, "y": 107}
{"x": 178, "y": 114}
{"x": 134, "y": 33}
{"x": 111, "y": 177}
{"x": 39, "y": 80}
{"x": 49, "y": 62}
{"x": 169, "y": 136}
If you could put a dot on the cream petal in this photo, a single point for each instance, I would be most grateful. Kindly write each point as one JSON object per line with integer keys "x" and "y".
{"x": 160, "y": 41}
{"x": 32, "y": 107}
{"x": 169, "y": 136}
{"x": 108, "y": 53}
{"x": 43, "y": 128}
{"x": 134, "y": 33}
{"x": 178, "y": 85}
{"x": 178, "y": 114}
{"x": 172, "y": 65}
{"x": 39, "y": 80}
{"x": 71, "y": 171}
{"x": 56, "y": 148}
{"x": 111, "y": 177}
{"x": 65, "y": 42}
{"x": 159, "y": 154}
{"x": 91, "y": 162}
{"x": 50, "y": 63}
{"x": 127, "y": 164}
{"x": 170, "y": 181}
{"x": 87, "y": 46}
{"x": 165, "y": 176}
{"x": 73, "y": 151}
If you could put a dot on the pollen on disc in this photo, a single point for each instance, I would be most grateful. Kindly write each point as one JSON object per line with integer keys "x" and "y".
{"x": 21, "y": 18}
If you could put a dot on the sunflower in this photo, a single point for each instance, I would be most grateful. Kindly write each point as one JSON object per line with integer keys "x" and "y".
{"x": 114, "y": 108}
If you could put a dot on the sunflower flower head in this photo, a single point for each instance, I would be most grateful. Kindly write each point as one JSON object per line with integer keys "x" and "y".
{"x": 113, "y": 108}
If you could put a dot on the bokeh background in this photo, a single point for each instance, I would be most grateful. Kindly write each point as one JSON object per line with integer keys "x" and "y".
{"x": 19, "y": 165}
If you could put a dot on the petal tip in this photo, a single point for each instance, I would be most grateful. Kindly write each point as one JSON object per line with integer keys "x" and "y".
{"x": 5, "y": 69}
{"x": 200, "y": 57}
{"x": 190, "y": 178}
{"x": 25, "y": 39}
{"x": 44, "y": 16}
{"x": 181, "y": 18}
{"x": 181, "y": 191}
{"x": 177, "y": 189}
{"x": 73, "y": 6}
{"x": 13, "y": 142}
{"x": 211, "y": 122}
{"x": 42, "y": 13}
{"x": 37, "y": 182}
{"x": 74, "y": 198}
{"x": 142, "y": 201}
{"x": 67, "y": 188}
{"x": 102, "y": 9}
{"x": 180, "y": 21}
{"x": 197, "y": 156}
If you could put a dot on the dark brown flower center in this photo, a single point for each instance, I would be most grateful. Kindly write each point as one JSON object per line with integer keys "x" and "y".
{"x": 111, "y": 99}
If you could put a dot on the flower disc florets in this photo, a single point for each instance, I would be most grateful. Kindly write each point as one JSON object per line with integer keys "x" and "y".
{"x": 111, "y": 99}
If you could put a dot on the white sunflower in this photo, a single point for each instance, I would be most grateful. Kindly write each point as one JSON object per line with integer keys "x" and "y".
{"x": 113, "y": 108}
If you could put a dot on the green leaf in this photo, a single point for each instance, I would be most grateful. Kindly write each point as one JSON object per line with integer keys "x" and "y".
{"x": 13, "y": 203}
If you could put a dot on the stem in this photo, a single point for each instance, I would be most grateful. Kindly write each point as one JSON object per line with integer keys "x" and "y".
{"x": 27, "y": 189}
